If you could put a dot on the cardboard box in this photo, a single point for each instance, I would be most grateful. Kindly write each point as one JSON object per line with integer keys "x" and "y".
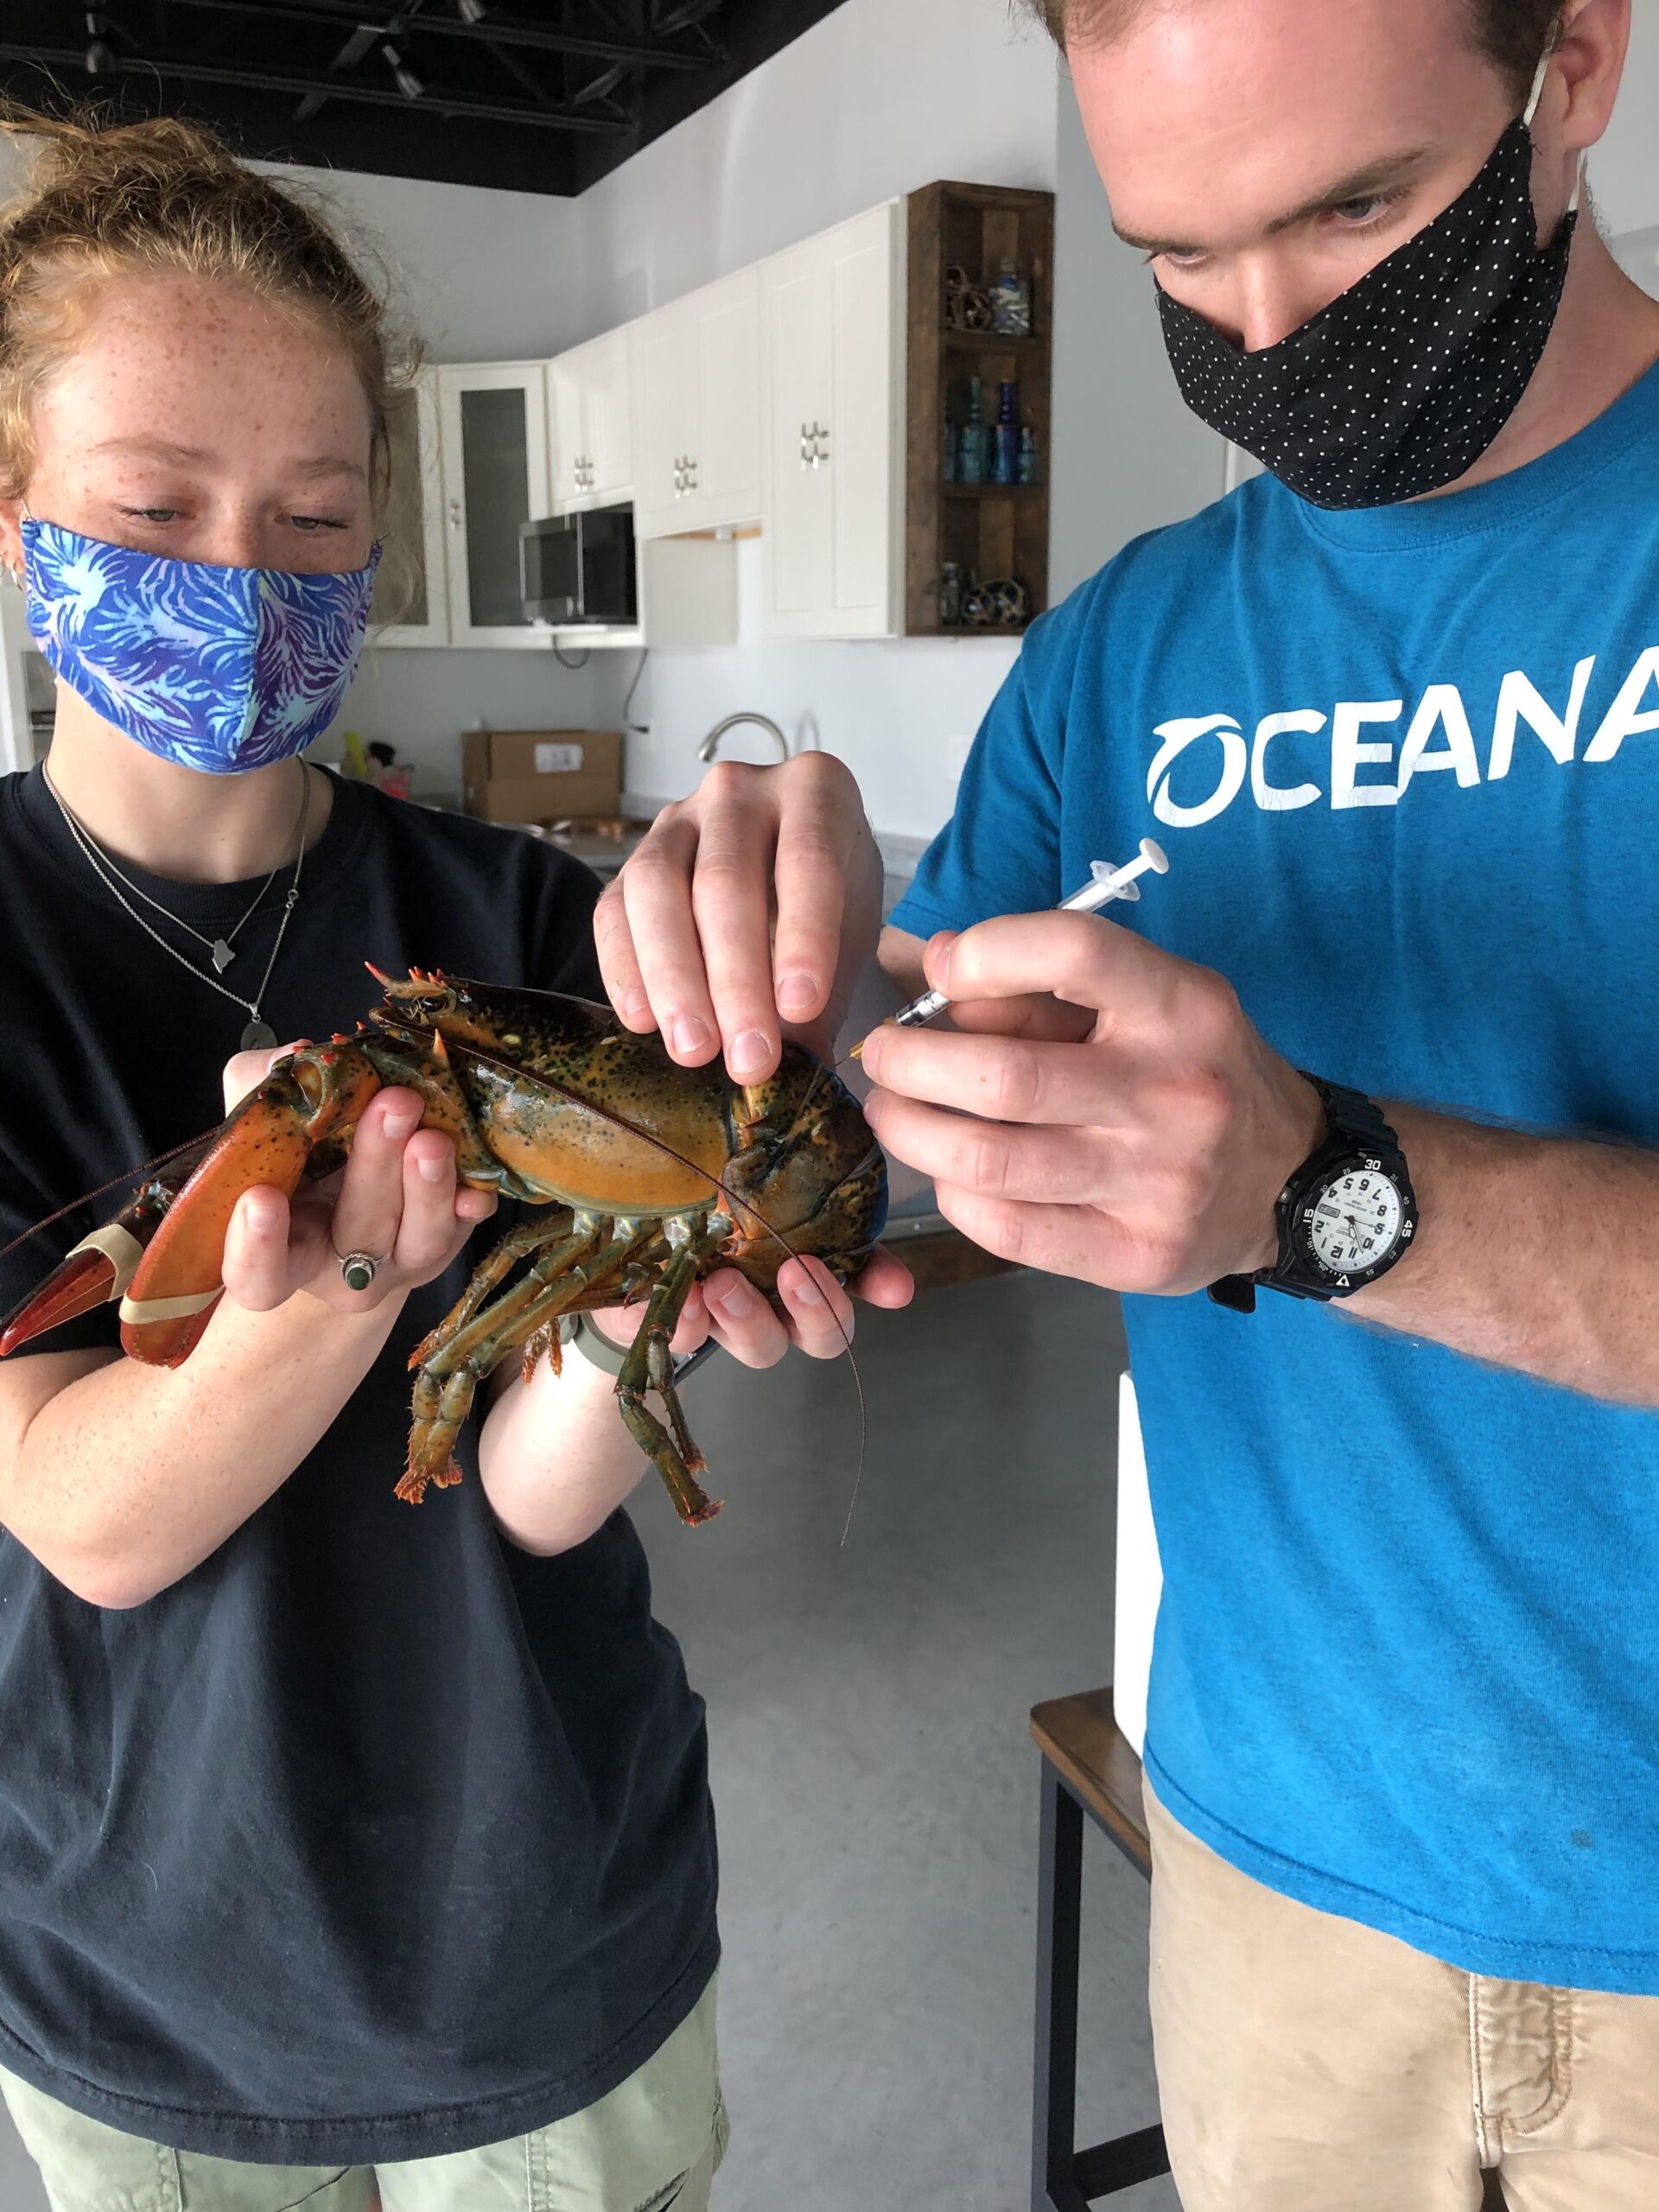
{"x": 541, "y": 775}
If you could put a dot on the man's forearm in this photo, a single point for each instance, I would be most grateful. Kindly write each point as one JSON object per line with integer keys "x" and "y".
{"x": 1535, "y": 1253}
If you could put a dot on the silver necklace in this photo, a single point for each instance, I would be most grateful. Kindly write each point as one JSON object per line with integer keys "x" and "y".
{"x": 221, "y": 948}
{"x": 258, "y": 1035}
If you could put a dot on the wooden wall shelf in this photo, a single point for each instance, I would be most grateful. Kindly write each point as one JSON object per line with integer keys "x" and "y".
{"x": 990, "y": 342}
{"x": 990, "y": 531}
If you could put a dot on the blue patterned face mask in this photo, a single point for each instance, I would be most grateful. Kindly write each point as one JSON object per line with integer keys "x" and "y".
{"x": 218, "y": 669}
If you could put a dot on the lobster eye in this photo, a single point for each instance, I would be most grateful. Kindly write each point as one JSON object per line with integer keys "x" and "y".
{"x": 434, "y": 1003}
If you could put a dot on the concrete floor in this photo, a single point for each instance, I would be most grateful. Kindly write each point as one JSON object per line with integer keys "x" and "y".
{"x": 876, "y": 1784}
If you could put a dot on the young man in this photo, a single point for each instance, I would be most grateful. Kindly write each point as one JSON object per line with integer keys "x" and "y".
{"x": 1392, "y": 710}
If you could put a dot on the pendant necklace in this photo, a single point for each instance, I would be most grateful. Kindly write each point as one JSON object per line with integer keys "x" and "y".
{"x": 258, "y": 1035}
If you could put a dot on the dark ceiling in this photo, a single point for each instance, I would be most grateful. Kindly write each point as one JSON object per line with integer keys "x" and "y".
{"x": 534, "y": 95}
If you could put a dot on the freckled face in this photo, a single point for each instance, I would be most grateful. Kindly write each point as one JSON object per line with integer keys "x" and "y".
{"x": 194, "y": 419}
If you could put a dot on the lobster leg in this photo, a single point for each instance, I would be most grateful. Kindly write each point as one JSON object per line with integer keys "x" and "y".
{"x": 451, "y": 1373}
{"x": 493, "y": 1271}
{"x": 449, "y": 1368}
{"x": 648, "y": 1366}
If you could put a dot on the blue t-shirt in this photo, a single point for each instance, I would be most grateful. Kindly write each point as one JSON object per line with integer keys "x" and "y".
{"x": 1403, "y": 761}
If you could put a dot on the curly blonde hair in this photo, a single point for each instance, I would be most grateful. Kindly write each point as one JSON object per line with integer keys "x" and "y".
{"x": 104, "y": 199}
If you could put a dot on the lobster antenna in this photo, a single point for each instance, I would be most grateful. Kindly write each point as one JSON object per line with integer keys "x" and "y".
{"x": 115, "y": 1183}
{"x": 744, "y": 1206}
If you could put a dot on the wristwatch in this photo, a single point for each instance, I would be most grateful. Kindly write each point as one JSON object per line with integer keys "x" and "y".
{"x": 579, "y": 1332}
{"x": 1346, "y": 1216}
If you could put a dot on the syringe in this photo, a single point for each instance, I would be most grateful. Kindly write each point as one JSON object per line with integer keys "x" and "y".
{"x": 1106, "y": 884}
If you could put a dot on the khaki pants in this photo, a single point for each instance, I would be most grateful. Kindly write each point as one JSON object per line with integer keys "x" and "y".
{"x": 654, "y": 2142}
{"x": 1308, "y": 2064}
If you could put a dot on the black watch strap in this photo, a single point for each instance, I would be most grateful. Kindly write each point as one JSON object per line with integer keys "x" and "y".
{"x": 1347, "y": 1113}
{"x": 1351, "y": 1110}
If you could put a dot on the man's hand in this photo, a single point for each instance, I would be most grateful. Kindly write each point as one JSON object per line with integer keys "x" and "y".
{"x": 746, "y": 914}
{"x": 1105, "y": 1110}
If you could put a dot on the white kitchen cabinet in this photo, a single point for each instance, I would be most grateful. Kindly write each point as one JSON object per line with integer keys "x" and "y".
{"x": 591, "y": 408}
{"x": 494, "y": 443}
{"x": 664, "y": 422}
{"x": 411, "y": 605}
{"x": 832, "y": 314}
{"x": 696, "y": 410}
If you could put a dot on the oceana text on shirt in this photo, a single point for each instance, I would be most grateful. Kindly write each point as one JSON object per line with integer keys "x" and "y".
{"x": 1356, "y": 754}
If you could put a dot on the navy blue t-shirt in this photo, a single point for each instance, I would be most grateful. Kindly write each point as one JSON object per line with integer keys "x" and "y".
{"x": 373, "y": 1836}
{"x": 1404, "y": 762}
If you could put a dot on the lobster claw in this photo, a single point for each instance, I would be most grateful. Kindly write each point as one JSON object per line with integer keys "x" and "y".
{"x": 315, "y": 1093}
{"x": 102, "y": 1265}
{"x": 163, "y": 1254}
{"x": 99, "y": 1268}
{"x": 170, "y": 1296}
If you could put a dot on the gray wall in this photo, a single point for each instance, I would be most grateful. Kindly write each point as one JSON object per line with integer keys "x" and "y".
{"x": 1637, "y": 255}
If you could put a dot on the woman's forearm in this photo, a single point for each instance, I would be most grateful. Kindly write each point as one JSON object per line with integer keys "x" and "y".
{"x": 555, "y": 1456}
{"x": 131, "y": 1476}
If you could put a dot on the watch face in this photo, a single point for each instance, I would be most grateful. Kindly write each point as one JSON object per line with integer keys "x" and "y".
{"x": 1356, "y": 1221}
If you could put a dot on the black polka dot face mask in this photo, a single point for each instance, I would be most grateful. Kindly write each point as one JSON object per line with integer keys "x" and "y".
{"x": 1405, "y": 378}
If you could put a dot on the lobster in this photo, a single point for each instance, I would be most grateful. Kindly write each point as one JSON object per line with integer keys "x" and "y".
{"x": 654, "y": 1174}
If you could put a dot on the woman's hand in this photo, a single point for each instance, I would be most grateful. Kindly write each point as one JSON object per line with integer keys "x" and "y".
{"x": 397, "y": 1199}
{"x": 728, "y": 1307}
{"x": 747, "y": 914}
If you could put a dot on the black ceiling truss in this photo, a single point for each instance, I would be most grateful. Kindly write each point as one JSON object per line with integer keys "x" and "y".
{"x": 533, "y": 95}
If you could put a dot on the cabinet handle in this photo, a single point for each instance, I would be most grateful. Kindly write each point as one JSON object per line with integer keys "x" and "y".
{"x": 454, "y": 514}
{"x": 806, "y": 447}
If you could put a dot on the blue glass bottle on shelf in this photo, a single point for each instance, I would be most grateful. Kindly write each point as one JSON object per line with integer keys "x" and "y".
{"x": 1028, "y": 469}
{"x": 1005, "y": 440}
{"x": 952, "y": 439}
{"x": 1010, "y": 301}
{"x": 970, "y": 450}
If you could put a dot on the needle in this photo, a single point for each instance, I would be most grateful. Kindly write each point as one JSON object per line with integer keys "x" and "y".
{"x": 1106, "y": 884}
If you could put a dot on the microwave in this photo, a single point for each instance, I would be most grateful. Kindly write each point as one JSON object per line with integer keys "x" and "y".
{"x": 577, "y": 568}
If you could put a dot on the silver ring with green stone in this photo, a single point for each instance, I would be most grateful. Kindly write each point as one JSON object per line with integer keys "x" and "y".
{"x": 358, "y": 1269}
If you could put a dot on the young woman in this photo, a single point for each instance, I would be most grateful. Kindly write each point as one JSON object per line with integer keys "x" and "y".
{"x": 342, "y": 1847}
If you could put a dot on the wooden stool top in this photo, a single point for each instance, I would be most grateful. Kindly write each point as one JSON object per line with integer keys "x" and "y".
{"x": 1080, "y": 1738}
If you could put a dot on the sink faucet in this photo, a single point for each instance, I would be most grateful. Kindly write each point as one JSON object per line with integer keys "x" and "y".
{"x": 710, "y": 744}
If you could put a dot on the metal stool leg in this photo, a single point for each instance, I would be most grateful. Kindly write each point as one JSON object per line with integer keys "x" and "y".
{"x": 1062, "y": 2177}
{"x": 1059, "y": 1920}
